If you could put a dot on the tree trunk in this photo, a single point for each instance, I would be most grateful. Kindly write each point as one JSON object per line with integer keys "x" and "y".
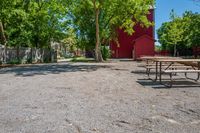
{"x": 174, "y": 50}
{"x": 31, "y": 56}
{"x": 98, "y": 54}
{"x": 4, "y": 41}
{"x": 195, "y": 52}
{"x": 17, "y": 51}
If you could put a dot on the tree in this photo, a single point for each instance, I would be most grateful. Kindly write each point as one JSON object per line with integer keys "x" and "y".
{"x": 38, "y": 21}
{"x": 175, "y": 34}
{"x": 70, "y": 41}
{"x": 32, "y": 23}
{"x": 182, "y": 31}
{"x": 110, "y": 15}
{"x": 171, "y": 33}
{"x": 4, "y": 11}
{"x": 163, "y": 35}
{"x": 175, "y": 31}
{"x": 192, "y": 29}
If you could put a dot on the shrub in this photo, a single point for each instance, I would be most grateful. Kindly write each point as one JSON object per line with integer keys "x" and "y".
{"x": 106, "y": 53}
{"x": 14, "y": 61}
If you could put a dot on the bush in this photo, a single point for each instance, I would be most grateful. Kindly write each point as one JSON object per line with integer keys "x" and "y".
{"x": 29, "y": 60}
{"x": 14, "y": 61}
{"x": 106, "y": 53}
{"x": 66, "y": 54}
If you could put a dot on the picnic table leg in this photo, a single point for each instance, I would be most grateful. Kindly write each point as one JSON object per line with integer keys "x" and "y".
{"x": 160, "y": 73}
{"x": 171, "y": 80}
{"x": 156, "y": 71}
{"x": 147, "y": 69}
{"x": 198, "y": 69}
{"x": 198, "y": 73}
{"x": 160, "y": 78}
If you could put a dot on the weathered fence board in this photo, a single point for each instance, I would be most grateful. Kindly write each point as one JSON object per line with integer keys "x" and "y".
{"x": 27, "y": 55}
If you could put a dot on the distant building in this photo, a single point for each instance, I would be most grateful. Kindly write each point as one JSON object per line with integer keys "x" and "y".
{"x": 134, "y": 46}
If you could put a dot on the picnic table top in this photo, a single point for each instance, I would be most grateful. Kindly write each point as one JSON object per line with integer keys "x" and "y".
{"x": 168, "y": 59}
{"x": 177, "y": 60}
{"x": 158, "y": 57}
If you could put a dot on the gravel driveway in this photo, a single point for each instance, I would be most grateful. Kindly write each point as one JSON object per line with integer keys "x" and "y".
{"x": 94, "y": 98}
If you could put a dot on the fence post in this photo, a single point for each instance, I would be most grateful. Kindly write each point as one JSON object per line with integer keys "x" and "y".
{"x": 5, "y": 55}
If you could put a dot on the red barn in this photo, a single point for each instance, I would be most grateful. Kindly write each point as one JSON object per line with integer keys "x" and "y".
{"x": 136, "y": 45}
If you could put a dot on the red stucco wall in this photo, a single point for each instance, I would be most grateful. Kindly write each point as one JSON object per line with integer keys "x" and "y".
{"x": 125, "y": 48}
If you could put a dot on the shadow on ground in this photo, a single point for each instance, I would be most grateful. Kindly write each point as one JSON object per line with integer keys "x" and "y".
{"x": 178, "y": 83}
{"x": 50, "y": 69}
{"x": 139, "y": 72}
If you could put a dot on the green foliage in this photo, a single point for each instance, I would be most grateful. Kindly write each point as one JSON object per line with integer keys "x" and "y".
{"x": 14, "y": 61}
{"x": 64, "y": 54}
{"x": 106, "y": 53}
{"x": 162, "y": 35}
{"x": 36, "y": 23}
{"x": 158, "y": 48}
{"x": 82, "y": 59}
{"x": 181, "y": 31}
{"x": 112, "y": 15}
{"x": 33, "y": 23}
{"x": 70, "y": 41}
{"x": 191, "y": 26}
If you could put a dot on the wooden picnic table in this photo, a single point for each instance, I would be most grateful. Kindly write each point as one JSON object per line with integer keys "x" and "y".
{"x": 154, "y": 59}
{"x": 147, "y": 58}
{"x": 169, "y": 61}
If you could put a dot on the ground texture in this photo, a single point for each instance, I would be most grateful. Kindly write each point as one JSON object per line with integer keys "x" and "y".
{"x": 111, "y": 97}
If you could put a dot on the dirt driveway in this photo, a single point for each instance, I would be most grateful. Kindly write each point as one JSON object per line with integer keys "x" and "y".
{"x": 93, "y": 98}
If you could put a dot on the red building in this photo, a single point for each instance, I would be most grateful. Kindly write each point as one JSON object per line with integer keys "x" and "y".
{"x": 136, "y": 45}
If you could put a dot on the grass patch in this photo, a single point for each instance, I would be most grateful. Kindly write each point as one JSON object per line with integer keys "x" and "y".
{"x": 82, "y": 59}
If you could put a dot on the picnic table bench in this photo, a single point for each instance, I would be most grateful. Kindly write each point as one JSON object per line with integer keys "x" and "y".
{"x": 173, "y": 66}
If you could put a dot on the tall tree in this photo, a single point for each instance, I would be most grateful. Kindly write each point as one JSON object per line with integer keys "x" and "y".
{"x": 182, "y": 31}
{"x": 191, "y": 22}
{"x": 110, "y": 15}
{"x": 34, "y": 22}
{"x": 175, "y": 33}
{"x": 162, "y": 33}
{"x": 171, "y": 33}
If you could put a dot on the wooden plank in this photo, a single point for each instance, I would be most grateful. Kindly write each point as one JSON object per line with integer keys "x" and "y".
{"x": 171, "y": 67}
{"x": 181, "y": 71}
{"x": 177, "y": 60}
{"x": 190, "y": 64}
{"x": 155, "y": 57}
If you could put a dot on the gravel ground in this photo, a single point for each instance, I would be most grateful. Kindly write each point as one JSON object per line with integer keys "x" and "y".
{"x": 111, "y": 97}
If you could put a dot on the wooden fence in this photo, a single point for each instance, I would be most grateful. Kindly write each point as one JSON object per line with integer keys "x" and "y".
{"x": 27, "y": 55}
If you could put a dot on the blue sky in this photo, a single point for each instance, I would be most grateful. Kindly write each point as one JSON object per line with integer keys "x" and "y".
{"x": 164, "y": 7}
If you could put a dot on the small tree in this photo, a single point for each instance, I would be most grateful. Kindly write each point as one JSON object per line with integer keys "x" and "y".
{"x": 175, "y": 34}
{"x": 171, "y": 33}
{"x": 162, "y": 33}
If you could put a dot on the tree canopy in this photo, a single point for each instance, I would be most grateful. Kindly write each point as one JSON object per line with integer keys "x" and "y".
{"x": 36, "y": 23}
{"x": 183, "y": 31}
{"x": 33, "y": 22}
{"x": 97, "y": 20}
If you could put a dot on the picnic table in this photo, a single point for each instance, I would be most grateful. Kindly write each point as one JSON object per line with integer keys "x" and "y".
{"x": 152, "y": 63}
{"x": 182, "y": 66}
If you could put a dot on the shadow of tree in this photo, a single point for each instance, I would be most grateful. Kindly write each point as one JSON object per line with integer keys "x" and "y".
{"x": 44, "y": 69}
